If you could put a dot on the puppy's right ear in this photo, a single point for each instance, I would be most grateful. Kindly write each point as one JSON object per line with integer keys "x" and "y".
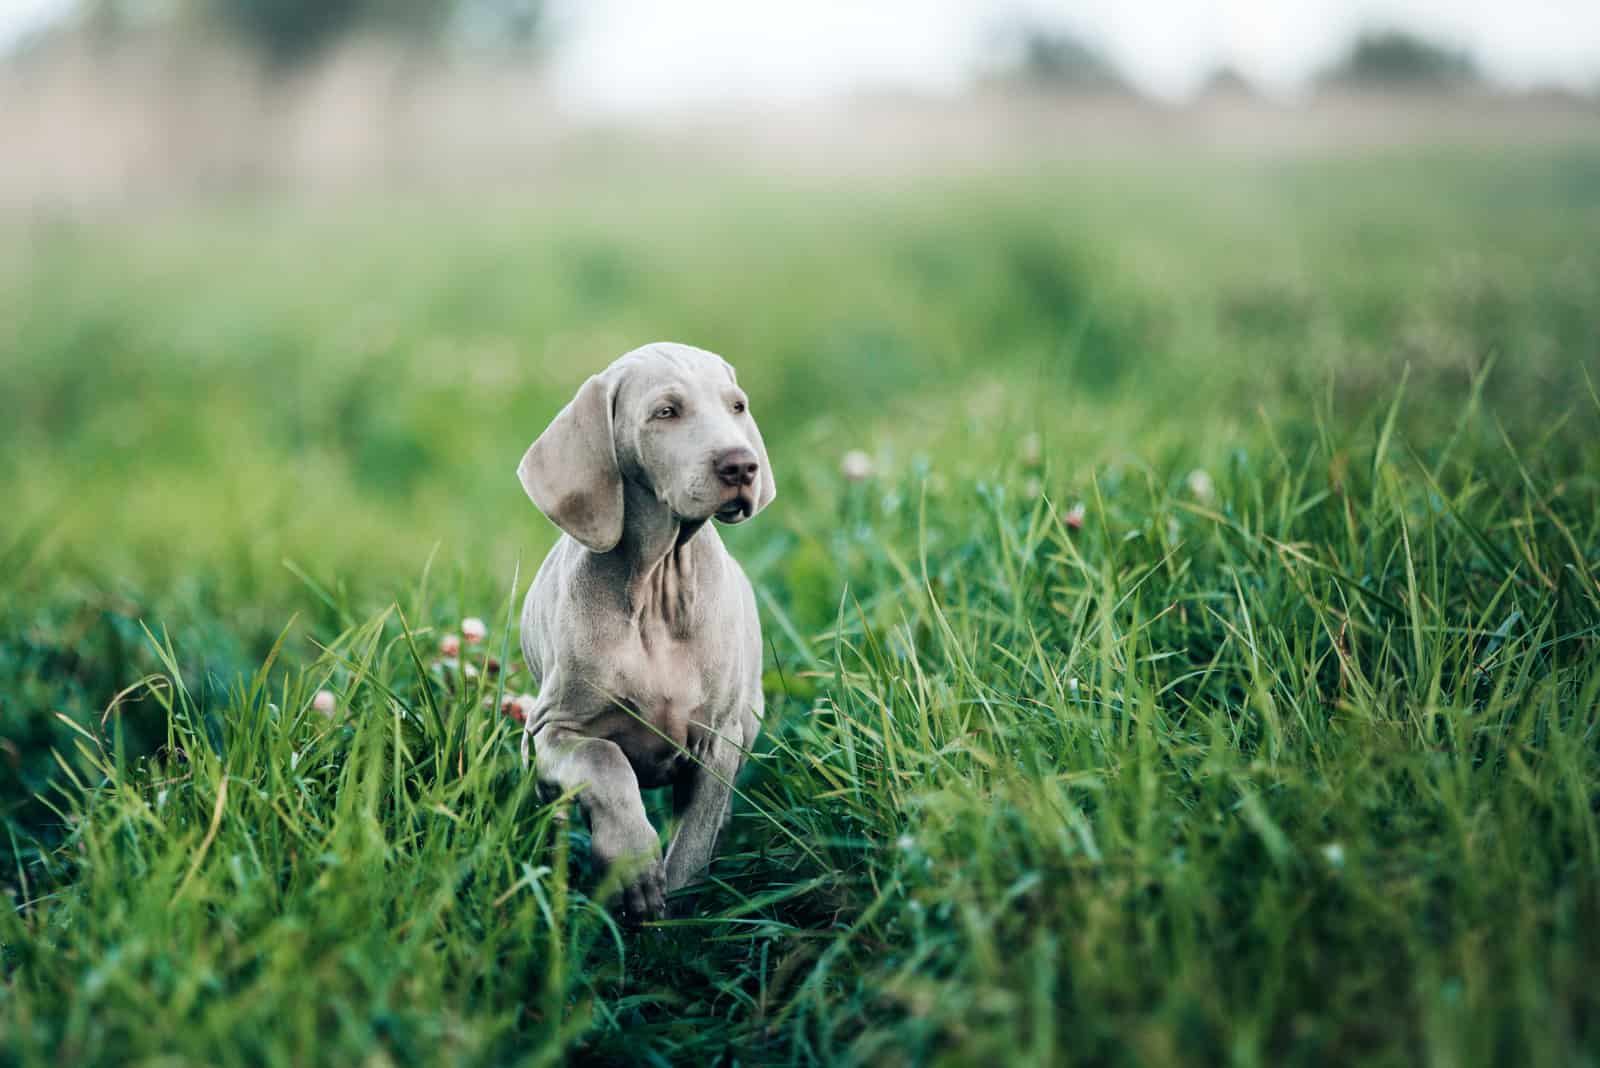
{"x": 571, "y": 471}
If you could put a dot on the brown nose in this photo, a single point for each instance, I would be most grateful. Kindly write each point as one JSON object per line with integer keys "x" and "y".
{"x": 736, "y": 467}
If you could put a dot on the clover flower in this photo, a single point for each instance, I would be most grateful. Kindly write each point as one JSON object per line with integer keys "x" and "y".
{"x": 519, "y": 708}
{"x": 1030, "y": 450}
{"x": 856, "y": 466}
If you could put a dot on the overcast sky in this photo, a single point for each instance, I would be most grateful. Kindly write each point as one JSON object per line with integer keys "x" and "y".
{"x": 646, "y": 53}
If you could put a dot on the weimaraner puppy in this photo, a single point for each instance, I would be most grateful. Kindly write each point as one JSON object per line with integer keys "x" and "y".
{"x": 640, "y": 628}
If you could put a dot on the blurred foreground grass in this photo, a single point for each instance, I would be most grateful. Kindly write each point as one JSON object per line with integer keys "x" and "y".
{"x": 1291, "y": 759}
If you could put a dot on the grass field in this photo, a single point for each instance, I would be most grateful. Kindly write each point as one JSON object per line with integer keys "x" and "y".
{"x": 1208, "y": 671}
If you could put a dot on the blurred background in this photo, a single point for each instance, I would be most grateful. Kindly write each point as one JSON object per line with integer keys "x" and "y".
{"x": 286, "y": 286}
{"x": 118, "y": 101}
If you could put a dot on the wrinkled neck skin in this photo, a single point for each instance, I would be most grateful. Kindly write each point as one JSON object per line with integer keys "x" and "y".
{"x": 657, "y": 559}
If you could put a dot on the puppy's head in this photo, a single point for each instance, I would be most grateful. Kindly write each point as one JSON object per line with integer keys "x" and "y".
{"x": 669, "y": 418}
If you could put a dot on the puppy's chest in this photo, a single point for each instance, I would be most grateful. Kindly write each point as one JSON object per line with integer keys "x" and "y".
{"x": 662, "y": 701}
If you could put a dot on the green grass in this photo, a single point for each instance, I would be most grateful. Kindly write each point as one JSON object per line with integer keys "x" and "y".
{"x": 1296, "y": 762}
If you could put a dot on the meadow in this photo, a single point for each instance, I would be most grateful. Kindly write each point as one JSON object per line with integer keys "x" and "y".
{"x": 1207, "y": 669}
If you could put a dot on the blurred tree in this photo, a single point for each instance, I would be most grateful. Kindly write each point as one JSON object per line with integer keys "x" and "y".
{"x": 1062, "y": 61}
{"x": 1395, "y": 59}
{"x": 511, "y": 25}
{"x": 287, "y": 33}
{"x": 1227, "y": 82}
{"x": 1053, "y": 58}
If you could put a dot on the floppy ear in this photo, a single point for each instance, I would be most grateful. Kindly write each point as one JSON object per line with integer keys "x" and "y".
{"x": 768, "y": 488}
{"x": 571, "y": 471}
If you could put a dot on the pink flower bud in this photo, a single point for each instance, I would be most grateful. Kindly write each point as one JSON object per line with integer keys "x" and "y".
{"x": 519, "y": 707}
{"x": 450, "y": 645}
{"x": 324, "y": 703}
{"x": 474, "y": 630}
{"x": 1075, "y": 516}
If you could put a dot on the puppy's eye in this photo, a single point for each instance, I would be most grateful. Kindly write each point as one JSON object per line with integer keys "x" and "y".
{"x": 666, "y": 411}
{"x": 738, "y": 407}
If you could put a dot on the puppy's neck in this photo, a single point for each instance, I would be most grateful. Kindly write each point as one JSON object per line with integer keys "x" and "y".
{"x": 657, "y": 555}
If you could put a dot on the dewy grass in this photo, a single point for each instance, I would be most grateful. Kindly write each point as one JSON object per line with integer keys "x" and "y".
{"x": 1199, "y": 780}
{"x": 1283, "y": 749}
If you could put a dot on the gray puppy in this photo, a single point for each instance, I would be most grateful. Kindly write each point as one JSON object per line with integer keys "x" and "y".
{"x": 640, "y": 628}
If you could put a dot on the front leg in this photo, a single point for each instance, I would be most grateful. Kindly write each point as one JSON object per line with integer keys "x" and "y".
{"x": 701, "y": 798}
{"x": 620, "y": 832}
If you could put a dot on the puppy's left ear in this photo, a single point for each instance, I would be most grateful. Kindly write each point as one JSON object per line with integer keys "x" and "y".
{"x": 768, "y": 488}
{"x": 571, "y": 471}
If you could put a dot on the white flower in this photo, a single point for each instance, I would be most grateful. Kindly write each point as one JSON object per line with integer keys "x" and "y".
{"x": 324, "y": 703}
{"x": 450, "y": 645}
{"x": 856, "y": 466}
{"x": 1075, "y": 516}
{"x": 473, "y": 629}
{"x": 1333, "y": 853}
{"x": 1200, "y": 484}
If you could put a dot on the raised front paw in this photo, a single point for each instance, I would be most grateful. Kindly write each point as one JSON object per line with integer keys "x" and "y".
{"x": 645, "y": 898}
{"x": 630, "y": 856}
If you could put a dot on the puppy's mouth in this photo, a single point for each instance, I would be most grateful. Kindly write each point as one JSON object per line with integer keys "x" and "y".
{"x": 736, "y": 510}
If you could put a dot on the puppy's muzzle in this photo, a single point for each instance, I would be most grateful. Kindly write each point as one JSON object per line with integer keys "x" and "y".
{"x": 736, "y": 467}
